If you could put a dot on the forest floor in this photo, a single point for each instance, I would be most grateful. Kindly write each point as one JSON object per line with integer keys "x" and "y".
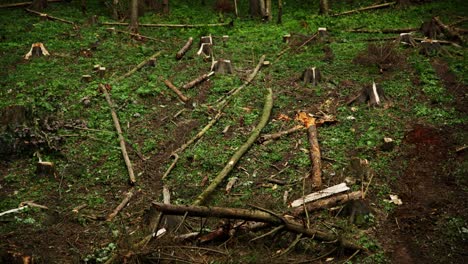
{"x": 48, "y": 113}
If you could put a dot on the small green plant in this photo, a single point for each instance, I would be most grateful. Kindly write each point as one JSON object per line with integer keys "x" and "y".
{"x": 100, "y": 255}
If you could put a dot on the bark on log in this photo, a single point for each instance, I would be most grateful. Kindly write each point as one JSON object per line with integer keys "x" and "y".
{"x": 184, "y": 49}
{"x": 231, "y": 23}
{"x": 128, "y": 163}
{"x": 201, "y": 199}
{"x": 253, "y": 215}
{"x": 197, "y": 81}
{"x": 365, "y": 9}
{"x": 327, "y": 203}
{"x": 122, "y": 204}
{"x": 139, "y": 66}
{"x": 315, "y": 157}
{"x": 177, "y": 91}
{"x": 451, "y": 34}
{"x": 44, "y": 15}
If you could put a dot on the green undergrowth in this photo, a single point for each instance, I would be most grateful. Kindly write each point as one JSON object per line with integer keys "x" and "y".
{"x": 90, "y": 168}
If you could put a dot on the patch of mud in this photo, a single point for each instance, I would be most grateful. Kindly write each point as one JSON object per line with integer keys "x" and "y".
{"x": 417, "y": 231}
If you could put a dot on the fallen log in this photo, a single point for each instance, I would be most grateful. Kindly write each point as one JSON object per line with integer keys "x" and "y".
{"x": 327, "y": 203}
{"x": 197, "y": 80}
{"x": 136, "y": 68}
{"x": 320, "y": 194}
{"x": 451, "y": 34}
{"x": 252, "y": 215}
{"x": 25, "y": 4}
{"x": 123, "y": 148}
{"x": 184, "y": 49}
{"x": 134, "y": 34}
{"x": 46, "y": 16}
{"x": 231, "y": 23}
{"x": 201, "y": 199}
{"x": 365, "y": 9}
{"x": 176, "y": 90}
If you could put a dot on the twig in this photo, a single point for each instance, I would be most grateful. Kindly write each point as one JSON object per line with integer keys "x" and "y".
{"x": 241, "y": 151}
{"x": 137, "y": 35}
{"x": 307, "y": 41}
{"x": 197, "y": 80}
{"x": 277, "y": 135}
{"x": 119, "y": 133}
{"x": 50, "y": 17}
{"x": 136, "y": 68}
{"x": 365, "y": 9}
{"x": 231, "y": 23}
{"x": 274, "y": 230}
{"x": 293, "y": 244}
{"x": 184, "y": 49}
{"x": 176, "y": 90}
{"x": 124, "y": 202}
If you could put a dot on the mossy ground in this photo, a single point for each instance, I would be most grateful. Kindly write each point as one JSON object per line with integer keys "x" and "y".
{"x": 424, "y": 115}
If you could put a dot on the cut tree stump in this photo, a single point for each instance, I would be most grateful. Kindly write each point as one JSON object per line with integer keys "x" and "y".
{"x": 37, "y": 50}
{"x": 86, "y": 78}
{"x": 430, "y": 47}
{"x": 45, "y": 169}
{"x": 184, "y": 49}
{"x": 311, "y": 75}
{"x": 101, "y": 72}
{"x": 222, "y": 66}
{"x": 206, "y": 44}
{"x": 407, "y": 38}
{"x": 323, "y": 34}
{"x": 373, "y": 95}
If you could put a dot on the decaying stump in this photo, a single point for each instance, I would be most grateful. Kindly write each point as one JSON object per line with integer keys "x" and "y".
{"x": 222, "y": 66}
{"x": 184, "y": 49}
{"x": 45, "y": 169}
{"x": 407, "y": 38}
{"x": 430, "y": 47}
{"x": 430, "y": 29}
{"x": 206, "y": 44}
{"x": 37, "y": 50}
{"x": 311, "y": 75}
{"x": 373, "y": 95}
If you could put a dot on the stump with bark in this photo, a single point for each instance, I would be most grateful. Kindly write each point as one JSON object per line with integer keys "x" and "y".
{"x": 430, "y": 47}
{"x": 222, "y": 66}
{"x": 311, "y": 75}
{"x": 206, "y": 44}
{"x": 37, "y": 49}
{"x": 372, "y": 94}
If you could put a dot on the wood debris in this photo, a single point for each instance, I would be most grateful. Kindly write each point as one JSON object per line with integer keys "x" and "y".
{"x": 37, "y": 49}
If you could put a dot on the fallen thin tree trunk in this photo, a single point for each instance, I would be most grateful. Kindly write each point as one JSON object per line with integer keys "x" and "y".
{"x": 119, "y": 208}
{"x": 222, "y": 102}
{"x": 253, "y": 215}
{"x": 320, "y": 194}
{"x": 119, "y": 133}
{"x": 25, "y": 4}
{"x": 277, "y": 135}
{"x": 197, "y": 80}
{"x": 315, "y": 156}
{"x": 139, "y": 66}
{"x": 50, "y": 17}
{"x": 201, "y": 199}
{"x": 135, "y": 34}
{"x": 184, "y": 49}
{"x": 171, "y": 25}
{"x": 176, "y": 90}
{"x": 451, "y": 34}
{"x": 384, "y": 31}
{"x": 327, "y": 203}
{"x": 365, "y": 9}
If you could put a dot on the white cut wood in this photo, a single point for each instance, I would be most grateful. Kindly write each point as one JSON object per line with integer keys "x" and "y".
{"x": 320, "y": 194}
{"x": 166, "y": 195}
{"x": 13, "y": 210}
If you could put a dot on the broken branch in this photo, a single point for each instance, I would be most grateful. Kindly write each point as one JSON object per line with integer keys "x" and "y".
{"x": 120, "y": 135}
{"x": 277, "y": 135}
{"x": 44, "y": 15}
{"x": 184, "y": 49}
{"x": 197, "y": 80}
{"x": 241, "y": 151}
{"x": 176, "y": 90}
{"x": 139, "y": 66}
{"x": 124, "y": 202}
{"x": 365, "y": 9}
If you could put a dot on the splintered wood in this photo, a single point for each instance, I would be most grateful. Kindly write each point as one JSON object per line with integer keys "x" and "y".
{"x": 314, "y": 152}
{"x": 320, "y": 194}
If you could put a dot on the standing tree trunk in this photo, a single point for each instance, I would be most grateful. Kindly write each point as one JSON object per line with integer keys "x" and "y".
{"x": 115, "y": 9}
{"x": 261, "y": 8}
{"x": 324, "y": 7}
{"x": 166, "y": 6}
{"x": 280, "y": 11}
{"x": 133, "y": 27}
{"x": 38, "y": 5}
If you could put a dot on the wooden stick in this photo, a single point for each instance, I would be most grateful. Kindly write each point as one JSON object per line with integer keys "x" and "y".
{"x": 176, "y": 90}
{"x": 172, "y": 25}
{"x": 50, "y": 17}
{"x": 139, "y": 66}
{"x": 135, "y": 34}
{"x": 197, "y": 80}
{"x": 452, "y": 34}
{"x": 365, "y": 9}
{"x": 201, "y": 199}
{"x": 307, "y": 41}
{"x": 184, "y": 49}
{"x": 327, "y": 202}
{"x": 25, "y": 4}
{"x": 315, "y": 156}
{"x": 250, "y": 214}
{"x": 119, "y": 133}
{"x": 320, "y": 194}
{"x": 277, "y": 135}
{"x": 384, "y": 31}
{"x": 119, "y": 208}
